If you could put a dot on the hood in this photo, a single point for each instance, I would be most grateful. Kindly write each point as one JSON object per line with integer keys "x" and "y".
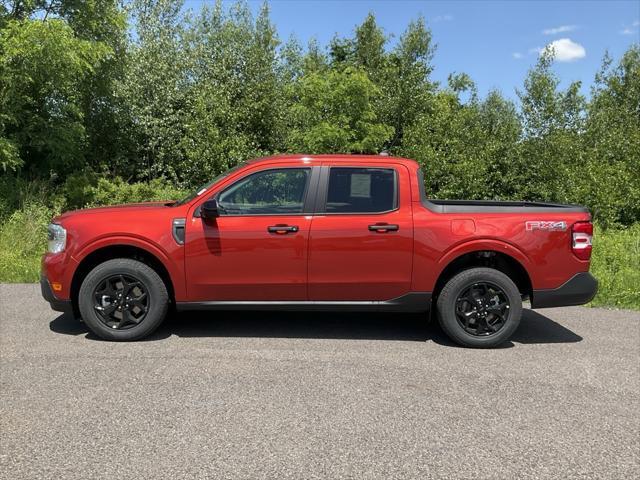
{"x": 116, "y": 209}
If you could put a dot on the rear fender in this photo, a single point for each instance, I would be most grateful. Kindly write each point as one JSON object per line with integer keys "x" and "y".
{"x": 478, "y": 245}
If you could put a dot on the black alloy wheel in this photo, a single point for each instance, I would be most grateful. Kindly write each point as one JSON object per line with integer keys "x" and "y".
{"x": 121, "y": 301}
{"x": 482, "y": 309}
{"x": 479, "y": 307}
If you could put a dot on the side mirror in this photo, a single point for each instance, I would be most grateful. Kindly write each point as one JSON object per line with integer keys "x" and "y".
{"x": 209, "y": 209}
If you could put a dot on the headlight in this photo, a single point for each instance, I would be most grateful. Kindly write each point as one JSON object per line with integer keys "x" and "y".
{"x": 57, "y": 237}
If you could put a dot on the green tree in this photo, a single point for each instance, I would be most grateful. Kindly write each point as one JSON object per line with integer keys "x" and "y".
{"x": 609, "y": 179}
{"x": 151, "y": 96}
{"x": 545, "y": 108}
{"x": 43, "y": 68}
{"x": 58, "y": 59}
{"x": 335, "y": 114}
{"x": 239, "y": 89}
{"x": 501, "y": 132}
{"x": 552, "y": 120}
{"x": 466, "y": 148}
{"x": 407, "y": 86}
{"x": 401, "y": 74}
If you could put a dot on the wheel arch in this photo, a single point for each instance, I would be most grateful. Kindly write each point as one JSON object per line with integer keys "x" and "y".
{"x": 488, "y": 258}
{"x": 121, "y": 250}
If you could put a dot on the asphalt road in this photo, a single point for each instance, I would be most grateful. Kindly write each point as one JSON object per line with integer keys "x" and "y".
{"x": 257, "y": 395}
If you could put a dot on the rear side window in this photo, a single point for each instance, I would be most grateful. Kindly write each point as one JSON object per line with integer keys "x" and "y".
{"x": 270, "y": 192}
{"x": 361, "y": 190}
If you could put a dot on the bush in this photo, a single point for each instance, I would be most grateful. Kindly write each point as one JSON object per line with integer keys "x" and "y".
{"x": 26, "y": 208}
{"x": 16, "y": 193}
{"x": 117, "y": 191}
{"x": 616, "y": 265}
{"x": 77, "y": 189}
{"x": 86, "y": 189}
{"x": 23, "y": 239}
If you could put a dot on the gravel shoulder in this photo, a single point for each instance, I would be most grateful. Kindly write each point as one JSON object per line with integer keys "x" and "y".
{"x": 298, "y": 395}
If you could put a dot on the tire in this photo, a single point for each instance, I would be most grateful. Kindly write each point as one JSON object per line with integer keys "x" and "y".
{"x": 110, "y": 284}
{"x": 477, "y": 297}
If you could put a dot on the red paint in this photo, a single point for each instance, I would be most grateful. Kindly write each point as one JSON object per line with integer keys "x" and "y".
{"x": 329, "y": 257}
{"x": 235, "y": 258}
{"x": 349, "y": 262}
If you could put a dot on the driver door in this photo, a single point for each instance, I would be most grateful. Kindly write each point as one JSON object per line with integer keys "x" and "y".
{"x": 257, "y": 248}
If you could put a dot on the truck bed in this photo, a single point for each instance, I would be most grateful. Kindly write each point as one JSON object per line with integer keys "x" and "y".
{"x": 495, "y": 206}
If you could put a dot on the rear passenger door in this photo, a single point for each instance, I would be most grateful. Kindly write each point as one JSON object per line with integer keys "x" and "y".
{"x": 361, "y": 237}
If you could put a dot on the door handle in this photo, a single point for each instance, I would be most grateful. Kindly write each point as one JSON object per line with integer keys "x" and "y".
{"x": 383, "y": 227}
{"x": 282, "y": 229}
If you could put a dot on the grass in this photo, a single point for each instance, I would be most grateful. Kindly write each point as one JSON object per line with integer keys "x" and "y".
{"x": 23, "y": 240}
{"x": 615, "y": 262}
{"x": 616, "y": 265}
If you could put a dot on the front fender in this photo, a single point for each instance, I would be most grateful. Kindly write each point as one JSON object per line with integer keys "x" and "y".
{"x": 175, "y": 271}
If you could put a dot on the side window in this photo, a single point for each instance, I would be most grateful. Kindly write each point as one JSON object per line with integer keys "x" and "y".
{"x": 275, "y": 192}
{"x": 361, "y": 190}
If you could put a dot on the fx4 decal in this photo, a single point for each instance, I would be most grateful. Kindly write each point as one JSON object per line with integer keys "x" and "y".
{"x": 552, "y": 226}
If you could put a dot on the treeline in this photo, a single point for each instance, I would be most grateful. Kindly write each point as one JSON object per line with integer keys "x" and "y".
{"x": 92, "y": 91}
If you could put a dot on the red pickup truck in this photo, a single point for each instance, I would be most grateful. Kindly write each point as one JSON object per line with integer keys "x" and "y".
{"x": 319, "y": 232}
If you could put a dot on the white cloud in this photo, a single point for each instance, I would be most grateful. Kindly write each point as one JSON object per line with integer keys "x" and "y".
{"x": 560, "y": 29}
{"x": 566, "y": 50}
{"x": 537, "y": 50}
{"x": 517, "y": 55}
{"x": 627, "y": 31}
{"x": 636, "y": 23}
{"x": 442, "y": 18}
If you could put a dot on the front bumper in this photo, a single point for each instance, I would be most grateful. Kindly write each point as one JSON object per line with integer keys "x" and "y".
{"x": 56, "y": 304}
{"x": 578, "y": 290}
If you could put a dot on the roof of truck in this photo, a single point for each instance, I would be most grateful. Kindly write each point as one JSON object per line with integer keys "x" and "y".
{"x": 339, "y": 157}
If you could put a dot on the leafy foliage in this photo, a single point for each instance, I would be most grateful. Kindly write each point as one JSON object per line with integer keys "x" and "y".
{"x": 611, "y": 143}
{"x": 188, "y": 95}
{"x": 20, "y": 260}
{"x": 117, "y": 191}
{"x": 335, "y": 113}
{"x": 616, "y": 265}
{"x": 43, "y": 66}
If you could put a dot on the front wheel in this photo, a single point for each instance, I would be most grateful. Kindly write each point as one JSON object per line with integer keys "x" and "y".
{"x": 123, "y": 300}
{"x": 479, "y": 307}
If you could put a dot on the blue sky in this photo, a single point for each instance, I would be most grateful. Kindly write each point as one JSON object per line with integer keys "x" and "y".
{"x": 495, "y": 42}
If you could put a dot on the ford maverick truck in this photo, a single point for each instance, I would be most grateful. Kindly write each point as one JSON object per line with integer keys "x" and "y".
{"x": 319, "y": 232}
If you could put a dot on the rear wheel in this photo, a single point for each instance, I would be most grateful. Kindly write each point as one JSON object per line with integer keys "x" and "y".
{"x": 479, "y": 307}
{"x": 123, "y": 299}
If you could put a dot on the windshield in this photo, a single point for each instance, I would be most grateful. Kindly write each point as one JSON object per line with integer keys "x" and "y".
{"x": 200, "y": 190}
